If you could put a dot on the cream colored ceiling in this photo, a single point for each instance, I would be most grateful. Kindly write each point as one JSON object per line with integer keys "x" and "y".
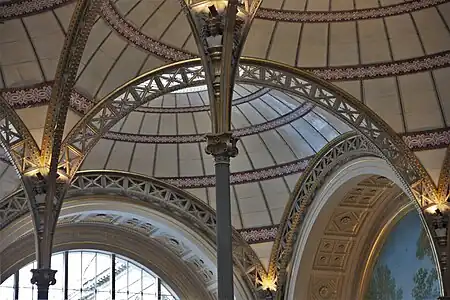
{"x": 9, "y": 181}
{"x": 30, "y": 47}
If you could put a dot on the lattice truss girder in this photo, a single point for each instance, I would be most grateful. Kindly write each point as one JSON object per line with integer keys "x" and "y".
{"x": 17, "y": 141}
{"x": 161, "y": 196}
{"x": 191, "y": 73}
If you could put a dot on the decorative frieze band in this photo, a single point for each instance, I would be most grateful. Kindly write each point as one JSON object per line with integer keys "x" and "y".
{"x": 198, "y": 138}
{"x": 385, "y": 69}
{"x": 345, "y": 15}
{"x": 427, "y": 140}
{"x": 191, "y": 182}
{"x": 40, "y": 95}
{"x": 14, "y": 9}
{"x": 259, "y": 234}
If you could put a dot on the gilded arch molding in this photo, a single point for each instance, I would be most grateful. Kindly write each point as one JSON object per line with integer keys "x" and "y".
{"x": 162, "y": 197}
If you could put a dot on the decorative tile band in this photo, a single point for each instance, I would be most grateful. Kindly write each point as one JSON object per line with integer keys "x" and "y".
{"x": 191, "y": 182}
{"x": 16, "y": 9}
{"x": 345, "y": 15}
{"x": 189, "y": 109}
{"x": 134, "y": 36}
{"x": 40, "y": 95}
{"x": 387, "y": 69}
{"x": 259, "y": 234}
{"x": 288, "y": 118}
{"x": 21, "y": 8}
{"x": 428, "y": 140}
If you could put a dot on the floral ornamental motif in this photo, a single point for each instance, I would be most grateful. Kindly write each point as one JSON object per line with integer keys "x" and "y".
{"x": 259, "y": 235}
{"x": 427, "y": 140}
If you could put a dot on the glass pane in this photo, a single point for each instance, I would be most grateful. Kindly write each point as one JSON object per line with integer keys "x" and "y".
{"x": 88, "y": 262}
{"x": 103, "y": 275}
{"x": 149, "y": 286}
{"x": 121, "y": 278}
{"x": 134, "y": 281}
{"x": 89, "y": 278}
{"x": 74, "y": 276}
{"x": 7, "y": 289}
{"x": 25, "y": 287}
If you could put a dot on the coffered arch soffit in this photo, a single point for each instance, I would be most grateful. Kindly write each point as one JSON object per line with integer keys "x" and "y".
{"x": 339, "y": 230}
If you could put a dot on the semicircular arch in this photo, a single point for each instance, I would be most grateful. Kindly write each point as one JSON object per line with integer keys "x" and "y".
{"x": 334, "y": 242}
{"x": 176, "y": 207}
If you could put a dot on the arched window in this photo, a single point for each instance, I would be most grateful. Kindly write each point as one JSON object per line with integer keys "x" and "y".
{"x": 87, "y": 275}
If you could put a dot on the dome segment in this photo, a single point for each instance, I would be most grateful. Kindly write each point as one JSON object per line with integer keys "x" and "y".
{"x": 278, "y": 135}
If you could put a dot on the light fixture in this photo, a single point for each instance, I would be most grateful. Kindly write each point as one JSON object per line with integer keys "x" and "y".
{"x": 269, "y": 283}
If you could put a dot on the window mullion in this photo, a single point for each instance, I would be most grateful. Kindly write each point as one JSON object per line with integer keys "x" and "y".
{"x": 16, "y": 285}
{"x": 66, "y": 274}
{"x": 113, "y": 277}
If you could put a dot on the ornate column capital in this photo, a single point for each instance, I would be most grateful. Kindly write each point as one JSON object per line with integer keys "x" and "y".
{"x": 43, "y": 278}
{"x": 221, "y": 146}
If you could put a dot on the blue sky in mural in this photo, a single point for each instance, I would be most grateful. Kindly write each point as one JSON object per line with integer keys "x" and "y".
{"x": 400, "y": 261}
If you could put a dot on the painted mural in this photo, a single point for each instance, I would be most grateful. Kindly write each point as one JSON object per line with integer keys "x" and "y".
{"x": 405, "y": 268}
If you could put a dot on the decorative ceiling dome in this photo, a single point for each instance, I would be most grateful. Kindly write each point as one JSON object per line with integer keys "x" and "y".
{"x": 165, "y": 138}
{"x": 391, "y": 55}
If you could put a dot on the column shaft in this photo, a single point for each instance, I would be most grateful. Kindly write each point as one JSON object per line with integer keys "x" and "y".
{"x": 42, "y": 292}
{"x": 224, "y": 229}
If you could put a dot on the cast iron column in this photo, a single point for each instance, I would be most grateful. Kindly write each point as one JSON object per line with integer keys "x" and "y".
{"x": 223, "y": 147}
{"x": 220, "y": 29}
